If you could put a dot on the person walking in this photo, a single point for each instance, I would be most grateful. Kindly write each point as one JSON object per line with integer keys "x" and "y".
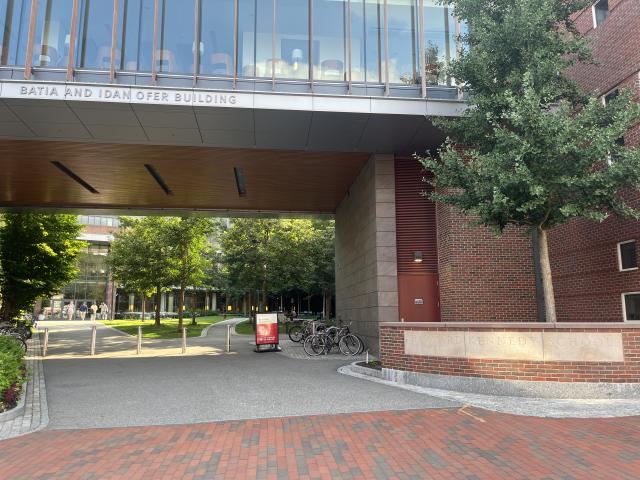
{"x": 70, "y": 310}
{"x": 104, "y": 311}
{"x": 83, "y": 310}
{"x": 94, "y": 309}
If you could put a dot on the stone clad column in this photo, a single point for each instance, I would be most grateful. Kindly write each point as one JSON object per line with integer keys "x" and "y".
{"x": 366, "y": 259}
{"x": 214, "y": 301}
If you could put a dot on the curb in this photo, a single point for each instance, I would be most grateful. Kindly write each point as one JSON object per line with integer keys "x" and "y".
{"x": 19, "y": 408}
{"x": 524, "y": 406}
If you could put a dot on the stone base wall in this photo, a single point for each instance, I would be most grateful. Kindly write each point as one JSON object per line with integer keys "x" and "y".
{"x": 596, "y": 353}
{"x": 366, "y": 260}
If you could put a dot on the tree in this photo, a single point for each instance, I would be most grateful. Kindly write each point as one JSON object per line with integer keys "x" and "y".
{"x": 189, "y": 241}
{"x": 539, "y": 145}
{"x": 139, "y": 258}
{"x": 38, "y": 256}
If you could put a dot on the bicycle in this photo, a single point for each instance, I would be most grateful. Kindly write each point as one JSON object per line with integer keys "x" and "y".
{"x": 324, "y": 341}
{"x": 298, "y": 333}
{"x": 16, "y": 337}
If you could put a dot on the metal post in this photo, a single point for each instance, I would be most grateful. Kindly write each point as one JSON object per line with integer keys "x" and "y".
{"x": 367, "y": 359}
{"x": 46, "y": 342}
{"x": 139, "y": 349}
{"x": 93, "y": 340}
{"x": 228, "y": 338}
{"x": 184, "y": 340}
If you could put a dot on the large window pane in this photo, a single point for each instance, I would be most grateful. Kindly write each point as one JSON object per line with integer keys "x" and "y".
{"x": 216, "y": 37}
{"x": 439, "y": 41}
{"x": 135, "y": 35}
{"x": 247, "y": 36}
{"x": 404, "y": 51}
{"x": 176, "y": 21}
{"x": 292, "y": 40}
{"x": 263, "y": 38}
{"x": 52, "y": 34}
{"x": 329, "y": 45}
{"x": 14, "y": 26}
{"x": 367, "y": 40}
{"x": 94, "y": 34}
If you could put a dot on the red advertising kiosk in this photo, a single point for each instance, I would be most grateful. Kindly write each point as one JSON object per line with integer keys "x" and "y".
{"x": 267, "y": 339}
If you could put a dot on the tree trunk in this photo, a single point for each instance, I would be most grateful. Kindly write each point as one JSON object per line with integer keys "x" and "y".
{"x": 144, "y": 302}
{"x": 547, "y": 280}
{"x": 158, "y": 300}
{"x": 193, "y": 308}
{"x": 180, "y": 308}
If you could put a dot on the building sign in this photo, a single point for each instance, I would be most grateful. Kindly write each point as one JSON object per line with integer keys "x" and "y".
{"x": 267, "y": 329}
{"x": 116, "y": 94}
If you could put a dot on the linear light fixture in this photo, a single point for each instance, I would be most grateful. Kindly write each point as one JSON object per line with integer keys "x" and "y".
{"x": 158, "y": 178}
{"x": 70, "y": 173}
{"x": 242, "y": 189}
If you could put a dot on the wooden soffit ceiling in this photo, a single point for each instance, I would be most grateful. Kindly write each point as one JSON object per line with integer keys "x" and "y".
{"x": 50, "y": 174}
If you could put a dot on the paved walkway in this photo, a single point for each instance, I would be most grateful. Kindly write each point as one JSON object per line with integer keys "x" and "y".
{"x": 114, "y": 390}
{"x": 35, "y": 415}
{"x": 417, "y": 444}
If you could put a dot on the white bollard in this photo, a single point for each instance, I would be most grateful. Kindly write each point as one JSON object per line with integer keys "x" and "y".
{"x": 184, "y": 340}
{"x": 46, "y": 342}
{"x": 93, "y": 340}
{"x": 139, "y": 349}
{"x": 367, "y": 360}
{"x": 228, "y": 338}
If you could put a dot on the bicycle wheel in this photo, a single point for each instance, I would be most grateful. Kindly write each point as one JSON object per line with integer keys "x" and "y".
{"x": 295, "y": 333}
{"x": 350, "y": 345}
{"x": 314, "y": 345}
{"x": 362, "y": 347}
{"x": 23, "y": 344}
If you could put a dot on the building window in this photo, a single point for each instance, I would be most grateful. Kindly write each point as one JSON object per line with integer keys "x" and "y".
{"x": 600, "y": 12}
{"x": 631, "y": 306}
{"x": 52, "y": 33}
{"x": 627, "y": 256}
{"x": 93, "y": 47}
{"x": 14, "y": 25}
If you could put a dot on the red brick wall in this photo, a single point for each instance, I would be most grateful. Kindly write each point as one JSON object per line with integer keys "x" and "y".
{"x": 483, "y": 278}
{"x": 392, "y": 356}
{"x": 588, "y": 285}
{"x": 615, "y": 44}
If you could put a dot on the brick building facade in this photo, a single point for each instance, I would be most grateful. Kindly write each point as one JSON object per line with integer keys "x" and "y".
{"x": 483, "y": 278}
{"x": 588, "y": 278}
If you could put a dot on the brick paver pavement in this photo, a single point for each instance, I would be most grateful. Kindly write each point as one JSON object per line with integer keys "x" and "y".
{"x": 412, "y": 444}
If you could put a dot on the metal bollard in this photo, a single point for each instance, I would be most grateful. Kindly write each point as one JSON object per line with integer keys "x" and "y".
{"x": 46, "y": 342}
{"x": 139, "y": 349}
{"x": 228, "y": 338}
{"x": 93, "y": 340}
{"x": 367, "y": 360}
{"x": 184, "y": 340}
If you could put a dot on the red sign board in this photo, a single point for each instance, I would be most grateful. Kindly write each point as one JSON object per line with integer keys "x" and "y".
{"x": 267, "y": 329}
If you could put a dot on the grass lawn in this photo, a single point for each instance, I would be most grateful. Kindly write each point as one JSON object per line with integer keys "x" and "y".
{"x": 246, "y": 328}
{"x": 168, "y": 329}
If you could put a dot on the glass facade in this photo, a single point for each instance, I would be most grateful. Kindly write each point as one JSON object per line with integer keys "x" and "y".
{"x": 52, "y": 34}
{"x": 14, "y": 26}
{"x": 215, "y": 50}
{"x": 135, "y": 35}
{"x": 396, "y": 42}
{"x": 102, "y": 220}
{"x": 93, "y": 278}
{"x": 93, "y": 47}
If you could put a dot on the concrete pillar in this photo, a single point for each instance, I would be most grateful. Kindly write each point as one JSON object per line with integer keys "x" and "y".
{"x": 206, "y": 301}
{"x": 214, "y": 301}
{"x": 132, "y": 301}
{"x": 163, "y": 302}
{"x": 366, "y": 258}
{"x": 170, "y": 306}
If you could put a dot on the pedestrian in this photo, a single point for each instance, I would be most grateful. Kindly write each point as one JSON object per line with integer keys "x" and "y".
{"x": 70, "y": 310}
{"x": 94, "y": 309}
{"x": 83, "y": 310}
{"x": 104, "y": 311}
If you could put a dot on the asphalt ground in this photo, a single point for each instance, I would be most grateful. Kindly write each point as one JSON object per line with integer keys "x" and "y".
{"x": 116, "y": 391}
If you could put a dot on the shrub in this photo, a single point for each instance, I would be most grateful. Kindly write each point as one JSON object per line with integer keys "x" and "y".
{"x": 12, "y": 371}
